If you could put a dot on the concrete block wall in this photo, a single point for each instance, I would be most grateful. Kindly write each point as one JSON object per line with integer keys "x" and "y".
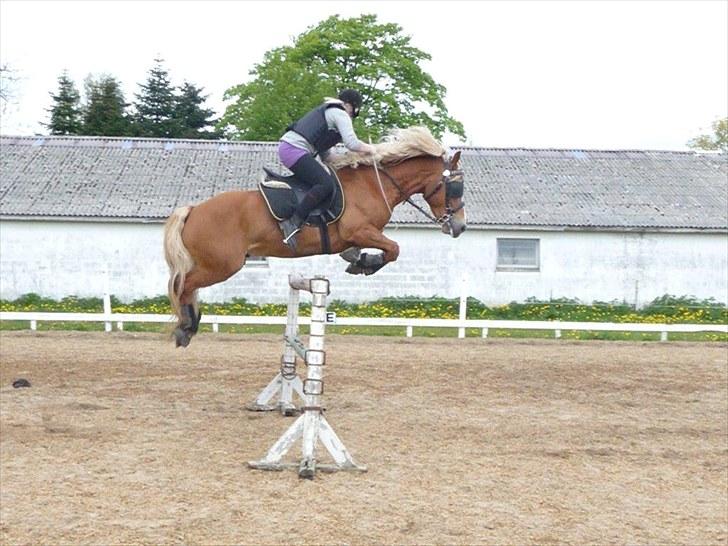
{"x": 58, "y": 259}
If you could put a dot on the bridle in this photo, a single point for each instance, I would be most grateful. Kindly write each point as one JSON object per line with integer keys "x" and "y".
{"x": 451, "y": 180}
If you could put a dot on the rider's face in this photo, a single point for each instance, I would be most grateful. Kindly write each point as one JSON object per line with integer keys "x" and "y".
{"x": 353, "y": 113}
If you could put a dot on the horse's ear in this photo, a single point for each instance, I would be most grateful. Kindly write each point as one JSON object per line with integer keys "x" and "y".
{"x": 454, "y": 159}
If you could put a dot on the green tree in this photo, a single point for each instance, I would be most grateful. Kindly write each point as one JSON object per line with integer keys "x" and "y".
{"x": 66, "y": 109}
{"x": 717, "y": 141}
{"x": 377, "y": 59}
{"x": 194, "y": 120}
{"x": 105, "y": 109}
{"x": 155, "y": 105}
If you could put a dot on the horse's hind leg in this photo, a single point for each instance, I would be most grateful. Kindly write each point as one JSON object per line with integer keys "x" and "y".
{"x": 190, "y": 314}
{"x": 189, "y": 322}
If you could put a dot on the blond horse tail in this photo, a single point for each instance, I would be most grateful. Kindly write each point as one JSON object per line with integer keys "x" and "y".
{"x": 179, "y": 260}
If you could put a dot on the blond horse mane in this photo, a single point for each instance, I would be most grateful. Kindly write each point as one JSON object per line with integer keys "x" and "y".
{"x": 396, "y": 146}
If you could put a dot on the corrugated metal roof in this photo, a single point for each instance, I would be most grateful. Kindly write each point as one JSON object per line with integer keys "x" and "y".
{"x": 147, "y": 178}
{"x": 599, "y": 188}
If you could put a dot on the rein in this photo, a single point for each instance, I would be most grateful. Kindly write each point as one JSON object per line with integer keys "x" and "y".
{"x": 446, "y": 178}
{"x": 381, "y": 187}
{"x": 407, "y": 199}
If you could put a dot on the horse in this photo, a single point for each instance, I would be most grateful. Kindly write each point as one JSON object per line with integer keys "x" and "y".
{"x": 207, "y": 243}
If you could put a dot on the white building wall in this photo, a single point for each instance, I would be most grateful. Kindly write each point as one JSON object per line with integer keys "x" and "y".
{"x": 58, "y": 259}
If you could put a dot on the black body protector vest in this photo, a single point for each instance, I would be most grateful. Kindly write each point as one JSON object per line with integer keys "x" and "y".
{"x": 313, "y": 127}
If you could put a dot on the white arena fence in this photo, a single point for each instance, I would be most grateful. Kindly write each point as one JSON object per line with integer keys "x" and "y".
{"x": 408, "y": 324}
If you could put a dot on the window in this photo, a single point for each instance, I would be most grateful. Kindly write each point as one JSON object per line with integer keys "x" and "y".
{"x": 518, "y": 255}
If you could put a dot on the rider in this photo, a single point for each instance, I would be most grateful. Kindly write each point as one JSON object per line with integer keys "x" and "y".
{"x": 315, "y": 134}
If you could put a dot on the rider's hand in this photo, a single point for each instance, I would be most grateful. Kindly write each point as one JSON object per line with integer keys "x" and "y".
{"x": 368, "y": 149}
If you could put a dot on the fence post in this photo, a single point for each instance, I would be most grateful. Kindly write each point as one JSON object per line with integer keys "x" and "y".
{"x": 107, "y": 311}
{"x": 463, "y": 304}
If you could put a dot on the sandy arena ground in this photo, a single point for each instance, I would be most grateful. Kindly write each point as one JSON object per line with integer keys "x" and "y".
{"x": 123, "y": 439}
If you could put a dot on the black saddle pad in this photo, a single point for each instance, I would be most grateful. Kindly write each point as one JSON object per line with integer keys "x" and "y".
{"x": 283, "y": 193}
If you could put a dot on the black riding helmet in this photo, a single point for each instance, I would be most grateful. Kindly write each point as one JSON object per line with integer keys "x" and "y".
{"x": 353, "y": 97}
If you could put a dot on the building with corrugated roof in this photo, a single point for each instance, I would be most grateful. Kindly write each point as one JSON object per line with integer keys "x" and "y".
{"x": 84, "y": 215}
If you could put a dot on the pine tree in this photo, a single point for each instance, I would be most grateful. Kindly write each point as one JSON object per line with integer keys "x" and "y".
{"x": 195, "y": 121}
{"x": 155, "y": 105}
{"x": 65, "y": 111}
{"x": 105, "y": 110}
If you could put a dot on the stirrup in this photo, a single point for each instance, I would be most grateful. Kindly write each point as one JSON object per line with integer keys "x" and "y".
{"x": 290, "y": 229}
{"x": 293, "y": 233}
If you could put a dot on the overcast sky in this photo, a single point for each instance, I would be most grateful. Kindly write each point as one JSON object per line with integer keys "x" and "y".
{"x": 568, "y": 74}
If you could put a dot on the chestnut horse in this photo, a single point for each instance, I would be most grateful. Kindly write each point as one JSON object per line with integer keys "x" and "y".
{"x": 207, "y": 243}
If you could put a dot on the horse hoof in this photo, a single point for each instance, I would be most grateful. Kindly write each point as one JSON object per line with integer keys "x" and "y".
{"x": 354, "y": 269}
{"x": 181, "y": 338}
{"x": 372, "y": 261}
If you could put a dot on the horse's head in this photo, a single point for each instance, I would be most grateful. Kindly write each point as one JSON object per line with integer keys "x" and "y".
{"x": 445, "y": 197}
{"x": 439, "y": 181}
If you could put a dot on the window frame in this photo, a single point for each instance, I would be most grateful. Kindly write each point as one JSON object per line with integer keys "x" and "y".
{"x": 518, "y": 268}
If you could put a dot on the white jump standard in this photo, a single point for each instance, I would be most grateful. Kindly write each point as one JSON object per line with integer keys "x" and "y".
{"x": 311, "y": 426}
{"x": 286, "y": 382}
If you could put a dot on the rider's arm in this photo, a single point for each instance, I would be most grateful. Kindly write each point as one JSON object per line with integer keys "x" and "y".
{"x": 342, "y": 122}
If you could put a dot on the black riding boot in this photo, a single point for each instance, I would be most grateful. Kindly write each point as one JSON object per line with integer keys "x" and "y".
{"x": 322, "y": 185}
{"x": 290, "y": 228}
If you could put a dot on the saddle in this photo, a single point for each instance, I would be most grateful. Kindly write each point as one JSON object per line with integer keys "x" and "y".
{"x": 283, "y": 193}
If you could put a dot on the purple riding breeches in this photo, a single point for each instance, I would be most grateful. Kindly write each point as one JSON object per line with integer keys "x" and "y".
{"x": 289, "y": 154}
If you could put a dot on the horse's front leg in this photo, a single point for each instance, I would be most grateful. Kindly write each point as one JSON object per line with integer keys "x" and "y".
{"x": 369, "y": 264}
{"x": 351, "y": 254}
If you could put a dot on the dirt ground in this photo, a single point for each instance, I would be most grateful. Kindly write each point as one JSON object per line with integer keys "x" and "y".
{"x": 123, "y": 439}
